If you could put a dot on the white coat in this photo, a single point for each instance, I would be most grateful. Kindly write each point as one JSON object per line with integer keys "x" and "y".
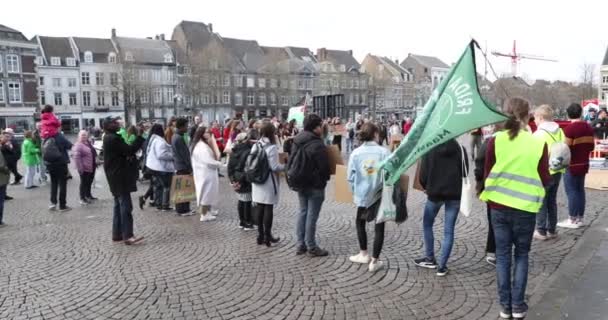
{"x": 265, "y": 192}
{"x": 204, "y": 169}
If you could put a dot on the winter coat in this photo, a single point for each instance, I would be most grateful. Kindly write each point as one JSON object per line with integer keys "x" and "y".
{"x": 441, "y": 172}
{"x": 31, "y": 153}
{"x": 49, "y": 125}
{"x": 64, "y": 145}
{"x": 204, "y": 169}
{"x": 84, "y": 157}
{"x": 159, "y": 155}
{"x": 236, "y": 166}
{"x": 268, "y": 192}
{"x": 120, "y": 164}
{"x": 600, "y": 128}
{"x": 182, "y": 153}
{"x": 5, "y": 173}
{"x": 317, "y": 152}
{"x": 363, "y": 173}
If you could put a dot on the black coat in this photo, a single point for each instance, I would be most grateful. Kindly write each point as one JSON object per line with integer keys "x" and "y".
{"x": 236, "y": 166}
{"x": 316, "y": 151}
{"x": 441, "y": 171}
{"x": 120, "y": 163}
{"x": 181, "y": 154}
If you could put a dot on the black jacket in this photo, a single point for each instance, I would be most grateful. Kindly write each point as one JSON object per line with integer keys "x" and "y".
{"x": 181, "y": 154}
{"x": 120, "y": 164}
{"x": 317, "y": 151}
{"x": 600, "y": 128}
{"x": 64, "y": 146}
{"x": 236, "y": 166}
{"x": 441, "y": 172}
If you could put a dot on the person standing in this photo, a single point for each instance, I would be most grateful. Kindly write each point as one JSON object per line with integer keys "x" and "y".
{"x": 12, "y": 153}
{"x": 475, "y": 141}
{"x": 311, "y": 190}
{"x": 37, "y": 139}
{"x": 350, "y": 135}
{"x": 204, "y": 167}
{"x": 441, "y": 172}
{"x": 183, "y": 165}
{"x": 116, "y": 155}
{"x": 549, "y": 132}
{"x": 365, "y": 180}
{"x": 579, "y": 137}
{"x": 516, "y": 171}
{"x": 266, "y": 195}
{"x": 5, "y": 175}
{"x": 160, "y": 160}
{"x": 30, "y": 159}
{"x": 195, "y": 125}
{"x": 407, "y": 126}
{"x": 600, "y": 126}
{"x": 238, "y": 179}
{"x": 85, "y": 155}
{"x": 56, "y": 161}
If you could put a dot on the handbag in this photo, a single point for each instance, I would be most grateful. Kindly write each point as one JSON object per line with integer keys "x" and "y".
{"x": 387, "y": 210}
{"x": 468, "y": 191}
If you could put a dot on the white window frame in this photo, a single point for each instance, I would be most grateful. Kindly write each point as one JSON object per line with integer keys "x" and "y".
{"x": 262, "y": 99}
{"x": 101, "y": 98}
{"x": 1, "y": 63}
{"x": 250, "y": 82}
{"x": 605, "y": 79}
{"x": 99, "y": 78}
{"x": 83, "y": 76}
{"x": 128, "y": 56}
{"x": 144, "y": 96}
{"x": 86, "y": 98}
{"x": 114, "y": 79}
{"x": 157, "y": 96}
{"x": 56, "y": 82}
{"x": 238, "y": 81}
{"x": 273, "y": 99}
{"x": 1, "y": 89}
{"x": 57, "y": 96}
{"x": 262, "y": 83}
{"x": 238, "y": 99}
{"x": 168, "y": 58}
{"x": 284, "y": 100}
{"x": 41, "y": 95}
{"x": 12, "y": 65}
{"x": 55, "y": 61}
{"x": 115, "y": 98}
{"x": 88, "y": 57}
{"x": 16, "y": 86}
{"x": 39, "y": 61}
{"x": 156, "y": 75}
{"x": 226, "y": 81}
{"x": 226, "y": 97}
{"x": 273, "y": 83}
{"x": 112, "y": 58}
{"x": 250, "y": 98}
{"x": 205, "y": 98}
{"x": 170, "y": 94}
{"x": 72, "y": 83}
{"x": 73, "y": 95}
{"x": 70, "y": 62}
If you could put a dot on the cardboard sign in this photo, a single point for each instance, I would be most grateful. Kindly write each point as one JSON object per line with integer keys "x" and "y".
{"x": 335, "y": 158}
{"x": 342, "y": 189}
{"x": 182, "y": 189}
{"x": 283, "y": 157}
{"x": 597, "y": 179}
{"x": 417, "y": 185}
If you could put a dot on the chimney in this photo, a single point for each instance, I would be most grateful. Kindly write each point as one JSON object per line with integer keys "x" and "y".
{"x": 156, "y": 37}
{"x": 210, "y": 27}
{"x": 397, "y": 61}
{"x": 162, "y": 36}
{"x": 350, "y": 52}
{"x": 322, "y": 54}
{"x": 113, "y": 33}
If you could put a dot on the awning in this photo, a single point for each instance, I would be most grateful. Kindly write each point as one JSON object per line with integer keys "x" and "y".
{"x": 17, "y": 112}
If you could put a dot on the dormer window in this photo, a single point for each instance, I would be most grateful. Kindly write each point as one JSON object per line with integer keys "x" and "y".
{"x": 112, "y": 57}
{"x": 55, "y": 61}
{"x": 70, "y": 62}
{"x": 168, "y": 58}
{"x": 128, "y": 56}
{"x": 88, "y": 57}
{"x": 39, "y": 60}
{"x": 342, "y": 68}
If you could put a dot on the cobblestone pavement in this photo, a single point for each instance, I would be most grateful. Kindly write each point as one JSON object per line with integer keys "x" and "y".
{"x": 64, "y": 265}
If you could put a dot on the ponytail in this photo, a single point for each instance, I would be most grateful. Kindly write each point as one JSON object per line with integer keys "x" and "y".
{"x": 518, "y": 111}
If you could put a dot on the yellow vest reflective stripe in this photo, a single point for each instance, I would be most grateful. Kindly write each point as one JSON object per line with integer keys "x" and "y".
{"x": 514, "y": 181}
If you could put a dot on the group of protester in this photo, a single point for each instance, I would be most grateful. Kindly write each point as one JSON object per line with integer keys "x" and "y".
{"x": 598, "y": 121}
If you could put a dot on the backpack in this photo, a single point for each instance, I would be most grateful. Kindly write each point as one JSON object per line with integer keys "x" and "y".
{"x": 351, "y": 133}
{"x": 300, "y": 173}
{"x": 50, "y": 151}
{"x": 559, "y": 154}
{"x": 257, "y": 168}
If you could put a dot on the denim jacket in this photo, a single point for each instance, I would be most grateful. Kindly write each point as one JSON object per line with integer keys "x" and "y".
{"x": 364, "y": 172}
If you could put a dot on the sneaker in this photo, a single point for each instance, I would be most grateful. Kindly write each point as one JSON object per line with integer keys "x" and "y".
{"x": 505, "y": 314}
{"x": 65, "y": 209}
{"x": 215, "y": 212}
{"x": 491, "y": 260}
{"x": 207, "y": 218}
{"x": 31, "y": 187}
{"x": 248, "y": 227}
{"x": 301, "y": 250}
{"x": 442, "y": 271}
{"x": 166, "y": 209}
{"x": 142, "y": 202}
{"x": 519, "y": 315}
{"x": 318, "y": 252}
{"x": 241, "y": 226}
{"x": 83, "y": 202}
{"x": 52, "y": 207}
{"x": 187, "y": 214}
{"x": 539, "y": 236}
{"x": 551, "y": 235}
{"x": 375, "y": 266}
{"x": 569, "y": 224}
{"x": 364, "y": 259}
{"x": 7, "y": 197}
{"x": 580, "y": 222}
{"x": 426, "y": 262}
{"x": 91, "y": 199}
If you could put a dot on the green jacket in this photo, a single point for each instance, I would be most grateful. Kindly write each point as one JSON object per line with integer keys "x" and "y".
{"x": 30, "y": 153}
{"x": 4, "y": 172}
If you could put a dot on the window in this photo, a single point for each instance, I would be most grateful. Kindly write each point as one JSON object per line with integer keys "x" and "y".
{"x": 238, "y": 81}
{"x": 250, "y": 82}
{"x": 273, "y": 99}
{"x": 85, "y": 78}
{"x": 273, "y": 83}
{"x": 55, "y": 61}
{"x": 292, "y": 84}
{"x": 262, "y": 98}
{"x": 284, "y": 101}
{"x": 604, "y": 79}
{"x": 170, "y": 95}
{"x": 40, "y": 79}
{"x": 88, "y": 57}
{"x": 58, "y": 101}
{"x": 143, "y": 96}
{"x": 114, "y": 98}
{"x": 170, "y": 75}
{"x": 262, "y": 83}
{"x": 2, "y": 91}
{"x": 168, "y": 58}
{"x": 14, "y": 92}
{"x": 12, "y": 65}
{"x": 226, "y": 97}
{"x": 250, "y": 98}
{"x": 227, "y": 81}
{"x": 128, "y": 56}
{"x": 42, "y": 96}
{"x": 157, "y": 95}
{"x": 112, "y": 57}
{"x": 205, "y": 98}
{"x": 114, "y": 78}
{"x": 86, "y": 98}
{"x": 301, "y": 84}
{"x": 70, "y": 62}
{"x": 213, "y": 81}
{"x": 73, "y": 99}
{"x": 362, "y": 84}
{"x": 101, "y": 98}
{"x": 143, "y": 75}
{"x": 238, "y": 99}
{"x": 39, "y": 61}
{"x": 99, "y": 78}
{"x": 72, "y": 82}
{"x": 57, "y": 82}
{"x": 156, "y": 75}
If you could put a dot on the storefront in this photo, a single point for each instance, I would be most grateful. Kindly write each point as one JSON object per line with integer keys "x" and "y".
{"x": 19, "y": 119}
{"x": 95, "y": 119}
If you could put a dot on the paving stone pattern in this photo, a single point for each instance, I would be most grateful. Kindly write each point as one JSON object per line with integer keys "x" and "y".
{"x": 64, "y": 265}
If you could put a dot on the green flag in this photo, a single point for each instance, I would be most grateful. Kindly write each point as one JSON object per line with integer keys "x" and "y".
{"x": 455, "y": 107}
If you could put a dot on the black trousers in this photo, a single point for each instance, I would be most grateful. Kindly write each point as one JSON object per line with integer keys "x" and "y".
{"x": 338, "y": 141}
{"x": 244, "y": 208}
{"x": 362, "y": 233}
{"x": 59, "y": 182}
{"x": 491, "y": 241}
{"x": 86, "y": 181}
{"x": 12, "y": 166}
{"x": 264, "y": 217}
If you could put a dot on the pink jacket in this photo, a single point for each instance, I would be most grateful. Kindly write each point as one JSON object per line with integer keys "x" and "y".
{"x": 84, "y": 157}
{"x": 49, "y": 125}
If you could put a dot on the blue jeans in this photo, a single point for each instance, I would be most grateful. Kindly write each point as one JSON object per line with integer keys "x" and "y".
{"x": 575, "y": 190}
{"x": 546, "y": 219}
{"x": 2, "y": 196}
{"x": 349, "y": 145}
{"x": 512, "y": 228}
{"x": 430, "y": 213}
{"x": 122, "y": 225}
{"x": 311, "y": 201}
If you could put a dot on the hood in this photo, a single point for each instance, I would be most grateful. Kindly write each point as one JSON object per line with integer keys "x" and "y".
{"x": 550, "y": 126}
{"x": 304, "y": 137}
{"x": 446, "y": 149}
{"x": 47, "y": 116}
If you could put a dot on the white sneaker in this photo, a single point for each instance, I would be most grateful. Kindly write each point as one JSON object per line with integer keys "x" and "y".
{"x": 580, "y": 223}
{"x": 373, "y": 267}
{"x": 360, "y": 259}
{"x": 52, "y": 207}
{"x": 214, "y": 212}
{"x": 569, "y": 224}
{"x": 539, "y": 236}
{"x": 207, "y": 218}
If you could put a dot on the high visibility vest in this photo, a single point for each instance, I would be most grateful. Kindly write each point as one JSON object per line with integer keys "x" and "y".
{"x": 514, "y": 181}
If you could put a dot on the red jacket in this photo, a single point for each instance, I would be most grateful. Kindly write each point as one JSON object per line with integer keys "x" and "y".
{"x": 407, "y": 127}
{"x": 579, "y": 136}
{"x": 49, "y": 125}
{"x": 218, "y": 138}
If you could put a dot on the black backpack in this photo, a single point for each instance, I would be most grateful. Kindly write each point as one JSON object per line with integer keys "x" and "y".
{"x": 351, "y": 133}
{"x": 257, "y": 168}
{"x": 300, "y": 169}
{"x": 50, "y": 151}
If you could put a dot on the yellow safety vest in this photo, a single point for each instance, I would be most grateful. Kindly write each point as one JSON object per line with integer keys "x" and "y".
{"x": 514, "y": 181}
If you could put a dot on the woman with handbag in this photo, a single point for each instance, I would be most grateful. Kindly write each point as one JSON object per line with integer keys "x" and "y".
{"x": 441, "y": 173}
{"x": 160, "y": 160}
{"x": 238, "y": 179}
{"x": 365, "y": 181}
{"x": 85, "y": 158}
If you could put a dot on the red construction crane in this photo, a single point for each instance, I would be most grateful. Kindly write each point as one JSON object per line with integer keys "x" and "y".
{"x": 515, "y": 57}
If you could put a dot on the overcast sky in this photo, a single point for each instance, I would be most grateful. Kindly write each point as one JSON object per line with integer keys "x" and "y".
{"x": 573, "y": 34}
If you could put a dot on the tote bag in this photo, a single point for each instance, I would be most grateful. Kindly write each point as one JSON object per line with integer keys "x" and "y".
{"x": 468, "y": 191}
